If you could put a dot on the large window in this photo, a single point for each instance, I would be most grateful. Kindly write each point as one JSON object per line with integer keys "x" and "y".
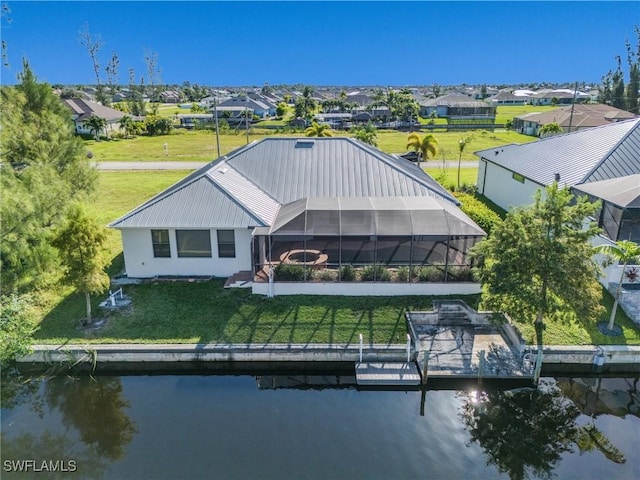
{"x": 193, "y": 243}
{"x": 160, "y": 241}
{"x": 226, "y": 244}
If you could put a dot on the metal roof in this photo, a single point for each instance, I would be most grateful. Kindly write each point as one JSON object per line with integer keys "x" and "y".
{"x": 392, "y": 216}
{"x": 247, "y": 187}
{"x": 593, "y": 154}
{"x": 199, "y": 203}
{"x": 289, "y": 169}
{"x": 623, "y": 192}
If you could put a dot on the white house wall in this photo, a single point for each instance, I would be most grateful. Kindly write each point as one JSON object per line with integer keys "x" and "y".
{"x": 140, "y": 262}
{"x": 498, "y": 185}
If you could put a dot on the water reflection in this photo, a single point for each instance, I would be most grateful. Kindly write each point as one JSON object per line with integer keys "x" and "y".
{"x": 96, "y": 428}
{"x": 318, "y": 426}
{"x": 527, "y": 431}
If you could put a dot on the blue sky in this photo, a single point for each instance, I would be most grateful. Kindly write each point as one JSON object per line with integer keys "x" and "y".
{"x": 325, "y": 43}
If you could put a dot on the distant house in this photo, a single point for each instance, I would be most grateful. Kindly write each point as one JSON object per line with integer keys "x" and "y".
{"x": 170, "y": 96}
{"x": 560, "y": 96}
{"x": 510, "y": 175}
{"x": 579, "y": 117}
{"x": 258, "y": 108}
{"x": 507, "y": 98}
{"x": 458, "y": 108}
{"x": 321, "y": 207}
{"x": 82, "y": 110}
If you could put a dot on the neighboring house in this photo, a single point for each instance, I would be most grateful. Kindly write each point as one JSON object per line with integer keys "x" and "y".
{"x": 560, "y": 96}
{"x": 321, "y": 204}
{"x": 457, "y": 108}
{"x": 579, "y": 117}
{"x": 171, "y": 96}
{"x": 510, "y": 175}
{"x": 82, "y": 110}
{"x": 587, "y": 161}
{"x": 259, "y": 108}
{"x": 619, "y": 214}
{"x": 507, "y": 98}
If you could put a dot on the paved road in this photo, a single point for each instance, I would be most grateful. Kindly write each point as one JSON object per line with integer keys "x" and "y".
{"x": 168, "y": 165}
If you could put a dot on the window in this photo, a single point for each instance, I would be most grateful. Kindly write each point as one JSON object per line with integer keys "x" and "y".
{"x": 226, "y": 244}
{"x": 518, "y": 178}
{"x": 193, "y": 243}
{"x": 160, "y": 241}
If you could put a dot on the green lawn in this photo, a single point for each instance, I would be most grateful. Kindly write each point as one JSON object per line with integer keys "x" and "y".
{"x": 200, "y": 145}
{"x": 507, "y": 112}
{"x": 448, "y": 176}
{"x": 180, "y": 312}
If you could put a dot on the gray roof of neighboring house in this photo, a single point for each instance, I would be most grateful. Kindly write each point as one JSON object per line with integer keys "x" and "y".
{"x": 623, "y": 192}
{"x": 86, "y": 108}
{"x": 246, "y": 187}
{"x": 587, "y": 155}
{"x": 583, "y": 116}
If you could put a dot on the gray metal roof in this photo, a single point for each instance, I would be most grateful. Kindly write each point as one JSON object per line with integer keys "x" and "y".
{"x": 196, "y": 204}
{"x": 247, "y": 187}
{"x": 390, "y": 216}
{"x": 288, "y": 169}
{"x": 599, "y": 153}
{"x": 623, "y": 192}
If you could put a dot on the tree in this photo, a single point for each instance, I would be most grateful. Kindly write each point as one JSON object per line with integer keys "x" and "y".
{"x": 112, "y": 75}
{"x": 462, "y": 144}
{"x": 80, "y": 242}
{"x": 423, "y": 146}
{"x": 44, "y": 170}
{"x": 625, "y": 252}
{"x": 367, "y": 134}
{"x": 617, "y": 86}
{"x": 281, "y": 109}
{"x": 153, "y": 73}
{"x": 633, "y": 87}
{"x": 305, "y": 105}
{"x": 16, "y": 326}
{"x": 96, "y": 125}
{"x": 549, "y": 129}
{"x": 128, "y": 125}
{"x": 538, "y": 261}
{"x": 318, "y": 130}
{"x": 93, "y": 45}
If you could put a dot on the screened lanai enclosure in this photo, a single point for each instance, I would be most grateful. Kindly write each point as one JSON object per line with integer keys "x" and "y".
{"x": 370, "y": 239}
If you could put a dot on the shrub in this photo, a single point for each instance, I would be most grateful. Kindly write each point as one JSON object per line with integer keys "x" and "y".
{"x": 347, "y": 273}
{"x": 289, "y": 273}
{"x": 478, "y": 212}
{"x": 324, "y": 275}
{"x": 460, "y": 273}
{"x": 372, "y": 273}
{"x": 403, "y": 274}
{"x": 430, "y": 274}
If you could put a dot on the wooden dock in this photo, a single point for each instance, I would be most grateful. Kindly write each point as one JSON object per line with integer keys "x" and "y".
{"x": 404, "y": 373}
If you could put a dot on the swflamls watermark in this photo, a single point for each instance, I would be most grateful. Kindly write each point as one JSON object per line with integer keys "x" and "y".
{"x": 36, "y": 466}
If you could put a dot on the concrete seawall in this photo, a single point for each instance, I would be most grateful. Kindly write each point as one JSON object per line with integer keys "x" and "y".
{"x": 614, "y": 358}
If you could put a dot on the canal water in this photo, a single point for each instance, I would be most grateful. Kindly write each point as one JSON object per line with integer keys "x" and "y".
{"x": 315, "y": 427}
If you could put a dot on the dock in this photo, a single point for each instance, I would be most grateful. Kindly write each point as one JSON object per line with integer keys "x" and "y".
{"x": 392, "y": 374}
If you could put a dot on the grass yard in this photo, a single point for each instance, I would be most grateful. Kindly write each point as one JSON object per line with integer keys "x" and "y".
{"x": 448, "y": 176}
{"x": 180, "y": 312}
{"x": 392, "y": 141}
{"x": 200, "y": 145}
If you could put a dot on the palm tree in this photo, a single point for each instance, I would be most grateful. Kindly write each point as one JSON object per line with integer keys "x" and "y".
{"x": 126, "y": 124}
{"x": 423, "y": 147}
{"x": 461, "y": 146}
{"x": 318, "y": 130}
{"x": 550, "y": 129}
{"x": 96, "y": 125}
{"x": 625, "y": 252}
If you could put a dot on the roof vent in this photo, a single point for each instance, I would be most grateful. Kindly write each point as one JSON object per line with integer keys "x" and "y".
{"x": 304, "y": 143}
{"x": 223, "y": 170}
